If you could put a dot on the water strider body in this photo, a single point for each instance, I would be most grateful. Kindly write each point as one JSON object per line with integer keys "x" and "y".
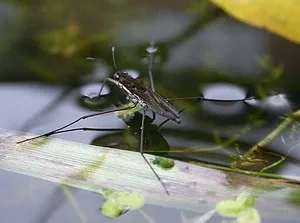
{"x": 138, "y": 92}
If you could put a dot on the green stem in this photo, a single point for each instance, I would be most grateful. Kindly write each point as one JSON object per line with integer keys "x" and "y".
{"x": 287, "y": 121}
{"x": 246, "y": 172}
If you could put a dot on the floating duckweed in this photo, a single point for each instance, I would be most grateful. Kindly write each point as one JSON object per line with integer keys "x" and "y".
{"x": 111, "y": 209}
{"x": 239, "y": 208}
{"x": 251, "y": 215}
{"x": 229, "y": 208}
{"x": 246, "y": 199}
{"x": 131, "y": 201}
{"x": 163, "y": 162}
{"x": 118, "y": 203}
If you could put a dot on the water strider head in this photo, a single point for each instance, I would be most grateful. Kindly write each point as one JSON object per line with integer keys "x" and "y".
{"x": 138, "y": 92}
{"x": 120, "y": 74}
{"x": 177, "y": 120}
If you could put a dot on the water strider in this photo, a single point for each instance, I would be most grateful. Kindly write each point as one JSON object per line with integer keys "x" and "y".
{"x": 138, "y": 94}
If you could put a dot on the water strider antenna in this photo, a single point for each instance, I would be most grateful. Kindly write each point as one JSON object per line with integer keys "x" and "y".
{"x": 151, "y": 50}
{"x": 113, "y": 57}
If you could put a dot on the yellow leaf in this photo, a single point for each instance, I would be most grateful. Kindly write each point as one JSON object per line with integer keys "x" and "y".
{"x": 278, "y": 16}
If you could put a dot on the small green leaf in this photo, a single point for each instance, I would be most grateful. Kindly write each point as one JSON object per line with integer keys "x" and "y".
{"x": 229, "y": 208}
{"x": 251, "y": 215}
{"x": 246, "y": 199}
{"x": 166, "y": 163}
{"x": 157, "y": 160}
{"x": 118, "y": 203}
{"x": 111, "y": 209}
{"x": 130, "y": 201}
{"x": 163, "y": 162}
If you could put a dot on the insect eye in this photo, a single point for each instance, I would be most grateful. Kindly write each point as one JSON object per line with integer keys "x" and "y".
{"x": 116, "y": 76}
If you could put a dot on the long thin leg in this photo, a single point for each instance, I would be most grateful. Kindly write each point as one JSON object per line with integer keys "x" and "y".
{"x": 77, "y": 120}
{"x": 201, "y": 98}
{"x": 142, "y": 152}
{"x": 153, "y": 116}
{"x": 102, "y": 87}
{"x": 88, "y": 129}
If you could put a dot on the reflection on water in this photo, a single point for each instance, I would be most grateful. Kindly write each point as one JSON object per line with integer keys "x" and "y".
{"x": 277, "y": 104}
{"x": 224, "y": 91}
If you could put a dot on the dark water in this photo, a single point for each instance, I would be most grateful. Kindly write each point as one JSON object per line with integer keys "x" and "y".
{"x": 46, "y": 81}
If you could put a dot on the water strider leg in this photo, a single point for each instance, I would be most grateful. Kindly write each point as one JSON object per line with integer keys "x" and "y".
{"x": 142, "y": 152}
{"x": 151, "y": 50}
{"x": 89, "y": 129}
{"x": 201, "y": 98}
{"x": 77, "y": 120}
{"x": 102, "y": 87}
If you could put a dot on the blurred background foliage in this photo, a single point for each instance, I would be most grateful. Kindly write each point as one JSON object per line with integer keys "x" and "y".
{"x": 50, "y": 40}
